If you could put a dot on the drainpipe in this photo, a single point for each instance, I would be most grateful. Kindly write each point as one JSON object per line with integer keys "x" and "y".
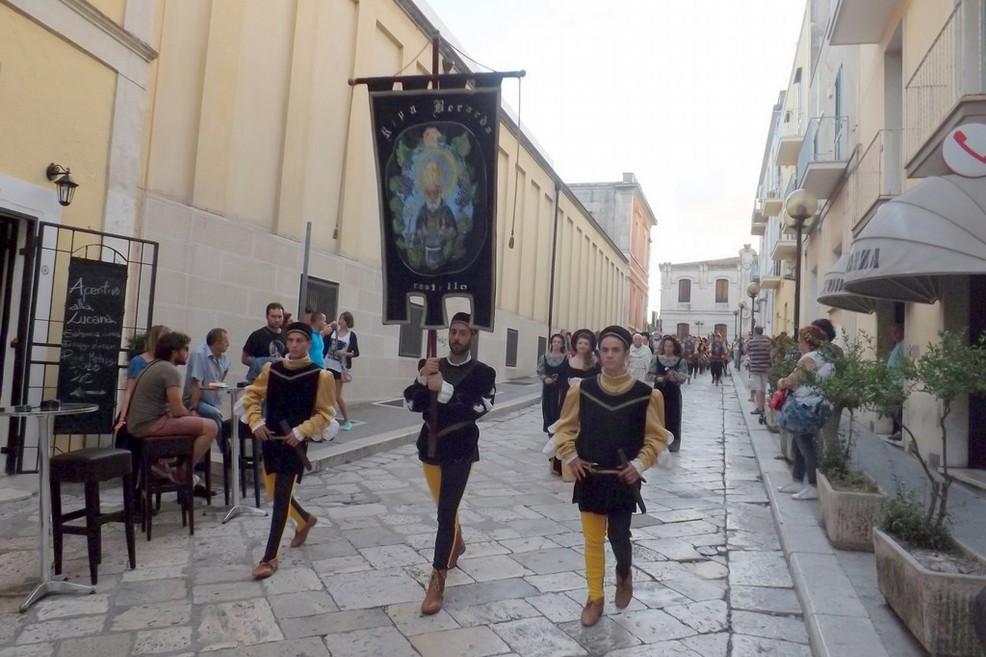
{"x": 554, "y": 250}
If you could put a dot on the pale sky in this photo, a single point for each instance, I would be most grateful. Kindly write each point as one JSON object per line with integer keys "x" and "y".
{"x": 679, "y": 92}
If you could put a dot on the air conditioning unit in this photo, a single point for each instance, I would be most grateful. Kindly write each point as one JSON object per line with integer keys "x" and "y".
{"x": 787, "y": 270}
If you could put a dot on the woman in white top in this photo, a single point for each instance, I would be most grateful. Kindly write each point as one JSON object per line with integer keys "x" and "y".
{"x": 811, "y": 340}
{"x": 341, "y": 347}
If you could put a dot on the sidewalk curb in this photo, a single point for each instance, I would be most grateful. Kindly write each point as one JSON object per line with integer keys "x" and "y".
{"x": 335, "y": 454}
{"x": 837, "y": 621}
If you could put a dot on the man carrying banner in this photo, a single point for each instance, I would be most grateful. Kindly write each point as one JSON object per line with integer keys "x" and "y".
{"x": 451, "y": 393}
{"x": 611, "y": 429}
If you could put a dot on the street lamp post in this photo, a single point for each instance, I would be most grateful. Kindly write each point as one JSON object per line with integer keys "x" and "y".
{"x": 801, "y": 206}
{"x": 752, "y": 291}
{"x": 736, "y": 327}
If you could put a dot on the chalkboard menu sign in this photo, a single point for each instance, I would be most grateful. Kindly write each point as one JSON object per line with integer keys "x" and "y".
{"x": 91, "y": 337}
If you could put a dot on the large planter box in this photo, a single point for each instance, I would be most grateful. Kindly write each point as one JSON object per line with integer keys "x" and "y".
{"x": 849, "y": 516}
{"x": 786, "y": 440}
{"x": 936, "y": 607}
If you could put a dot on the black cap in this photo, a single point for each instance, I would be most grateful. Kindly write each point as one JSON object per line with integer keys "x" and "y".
{"x": 461, "y": 318}
{"x": 617, "y": 332}
{"x": 299, "y": 327}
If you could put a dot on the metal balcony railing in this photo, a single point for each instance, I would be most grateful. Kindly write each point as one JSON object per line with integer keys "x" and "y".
{"x": 950, "y": 69}
{"x": 879, "y": 173}
{"x": 826, "y": 140}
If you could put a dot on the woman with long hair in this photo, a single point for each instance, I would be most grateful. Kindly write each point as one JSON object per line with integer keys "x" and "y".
{"x": 814, "y": 366}
{"x": 583, "y": 364}
{"x": 669, "y": 369}
{"x": 341, "y": 348}
{"x": 136, "y": 366}
{"x": 551, "y": 366}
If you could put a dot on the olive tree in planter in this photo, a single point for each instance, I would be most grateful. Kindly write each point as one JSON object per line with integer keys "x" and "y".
{"x": 913, "y": 544}
{"x": 851, "y": 503}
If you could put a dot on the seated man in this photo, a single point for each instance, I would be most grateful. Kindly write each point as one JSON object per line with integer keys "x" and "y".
{"x": 208, "y": 364}
{"x": 156, "y": 408}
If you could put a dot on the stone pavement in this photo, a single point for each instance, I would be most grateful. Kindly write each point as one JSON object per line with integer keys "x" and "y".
{"x": 711, "y": 579}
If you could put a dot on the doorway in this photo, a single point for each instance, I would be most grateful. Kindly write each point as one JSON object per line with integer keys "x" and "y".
{"x": 977, "y": 403}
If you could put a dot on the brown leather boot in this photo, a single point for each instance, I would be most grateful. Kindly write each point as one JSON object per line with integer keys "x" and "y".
{"x": 436, "y": 593}
{"x": 457, "y": 551}
{"x": 624, "y": 590}
{"x": 592, "y": 611}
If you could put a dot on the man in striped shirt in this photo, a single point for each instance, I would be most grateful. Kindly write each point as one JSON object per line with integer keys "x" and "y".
{"x": 758, "y": 349}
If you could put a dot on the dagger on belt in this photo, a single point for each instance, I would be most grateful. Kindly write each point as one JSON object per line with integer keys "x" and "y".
{"x": 624, "y": 463}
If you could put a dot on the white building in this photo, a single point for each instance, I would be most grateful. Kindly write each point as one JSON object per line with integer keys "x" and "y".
{"x": 701, "y": 298}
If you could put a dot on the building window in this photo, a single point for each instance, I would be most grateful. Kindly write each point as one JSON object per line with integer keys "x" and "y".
{"x": 323, "y": 297}
{"x": 722, "y": 290}
{"x": 409, "y": 344}
{"x": 682, "y": 331}
{"x": 684, "y": 291}
{"x": 542, "y": 345}
{"x": 511, "y": 348}
{"x": 721, "y": 330}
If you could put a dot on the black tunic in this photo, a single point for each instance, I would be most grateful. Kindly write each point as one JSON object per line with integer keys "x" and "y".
{"x": 551, "y": 395}
{"x": 606, "y": 424}
{"x": 291, "y": 395}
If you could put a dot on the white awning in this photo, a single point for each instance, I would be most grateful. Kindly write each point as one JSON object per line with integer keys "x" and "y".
{"x": 936, "y": 229}
{"x": 834, "y": 295}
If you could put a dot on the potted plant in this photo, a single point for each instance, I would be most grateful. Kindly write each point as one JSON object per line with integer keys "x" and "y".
{"x": 927, "y": 578}
{"x": 851, "y": 503}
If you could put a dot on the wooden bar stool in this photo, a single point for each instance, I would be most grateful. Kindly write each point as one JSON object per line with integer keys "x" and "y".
{"x": 153, "y": 449}
{"x": 89, "y": 467}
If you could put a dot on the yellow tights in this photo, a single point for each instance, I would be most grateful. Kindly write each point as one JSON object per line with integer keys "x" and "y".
{"x": 594, "y": 529}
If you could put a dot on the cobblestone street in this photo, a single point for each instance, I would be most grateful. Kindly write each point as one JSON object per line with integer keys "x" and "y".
{"x": 710, "y": 579}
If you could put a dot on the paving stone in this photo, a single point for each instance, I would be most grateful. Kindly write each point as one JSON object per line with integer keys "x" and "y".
{"x": 244, "y": 622}
{"x": 545, "y": 562}
{"x": 557, "y": 581}
{"x": 538, "y": 637}
{"x": 172, "y": 639}
{"x": 467, "y": 642}
{"x": 709, "y": 645}
{"x": 129, "y": 594}
{"x": 61, "y": 629}
{"x": 410, "y": 621}
{"x": 556, "y": 607}
{"x": 63, "y": 606}
{"x": 764, "y": 599}
{"x": 310, "y": 647}
{"x": 373, "y": 642}
{"x": 696, "y": 588}
{"x": 227, "y": 592}
{"x": 375, "y": 588}
{"x": 710, "y": 570}
{"x": 530, "y": 544}
{"x": 607, "y": 635}
{"x": 653, "y": 625}
{"x": 391, "y": 556}
{"x": 106, "y": 645}
{"x": 34, "y": 650}
{"x": 758, "y": 569}
{"x": 703, "y": 617}
{"x": 770, "y": 626}
{"x": 752, "y": 646}
{"x": 492, "y": 612}
{"x": 656, "y": 595}
{"x": 142, "y": 617}
{"x": 671, "y": 548}
{"x": 336, "y": 622}
{"x": 303, "y": 603}
{"x": 344, "y": 564}
{"x": 663, "y": 649}
{"x": 493, "y": 567}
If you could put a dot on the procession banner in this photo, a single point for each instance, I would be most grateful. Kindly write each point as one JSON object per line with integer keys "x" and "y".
{"x": 436, "y": 156}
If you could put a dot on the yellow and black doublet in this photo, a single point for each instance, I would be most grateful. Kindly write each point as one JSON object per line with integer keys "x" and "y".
{"x": 298, "y": 397}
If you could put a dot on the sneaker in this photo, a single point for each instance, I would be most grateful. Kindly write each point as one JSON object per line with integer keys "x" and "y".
{"x": 346, "y": 426}
{"x": 793, "y": 487}
{"x": 807, "y": 493}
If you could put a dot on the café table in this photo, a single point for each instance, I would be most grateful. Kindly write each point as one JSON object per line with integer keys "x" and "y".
{"x": 49, "y": 583}
{"x": 234, "y": 474}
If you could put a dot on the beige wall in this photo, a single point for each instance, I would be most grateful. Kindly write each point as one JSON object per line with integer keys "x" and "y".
{"x": 58, "y": 107}
{"x": 253, "y": 131}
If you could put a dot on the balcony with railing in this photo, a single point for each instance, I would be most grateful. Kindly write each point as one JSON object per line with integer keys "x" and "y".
{"x": 824, "y": 155}
{"x": 877, "y": 178}
{"x": 947, "y": 89}
{"x": 855, "y": 22}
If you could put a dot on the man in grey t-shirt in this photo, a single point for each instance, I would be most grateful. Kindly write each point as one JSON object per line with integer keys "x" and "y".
{"x": 156, "y": 407}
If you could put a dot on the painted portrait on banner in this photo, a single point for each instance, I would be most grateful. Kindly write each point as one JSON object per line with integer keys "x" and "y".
{"x": 436, "y": 164}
